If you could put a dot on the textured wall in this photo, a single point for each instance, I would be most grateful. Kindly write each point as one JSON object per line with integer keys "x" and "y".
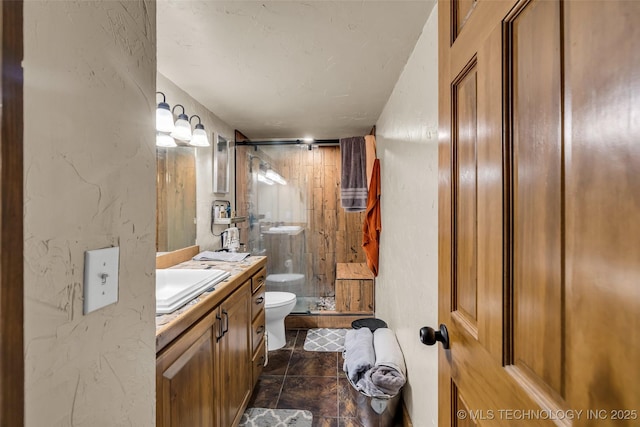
{"x": 204, "y": 169}
{"x": 407, "y": 286}
{"x": 89, "y": 183}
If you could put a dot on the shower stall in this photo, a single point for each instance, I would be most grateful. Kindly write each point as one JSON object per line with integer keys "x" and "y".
{"x": 290, "y": 195}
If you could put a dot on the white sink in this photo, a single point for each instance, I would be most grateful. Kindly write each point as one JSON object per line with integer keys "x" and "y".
{"x": 176, "y": 287}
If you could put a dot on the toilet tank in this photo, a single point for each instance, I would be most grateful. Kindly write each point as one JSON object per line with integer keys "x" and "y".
{"x": 285, "y": 282}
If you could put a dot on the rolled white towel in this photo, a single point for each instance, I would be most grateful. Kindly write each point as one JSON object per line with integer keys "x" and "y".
{"x": 358, "y": 353}
{"x": 389, "y": 371}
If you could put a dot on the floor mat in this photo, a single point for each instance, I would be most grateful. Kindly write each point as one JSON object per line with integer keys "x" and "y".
{"x": 324, "y": 339}
{"x": 261, "y": 417}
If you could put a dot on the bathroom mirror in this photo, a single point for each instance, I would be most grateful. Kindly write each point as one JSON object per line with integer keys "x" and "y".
{"x": 175, "y": 198}
{"x": 221, "y": 165}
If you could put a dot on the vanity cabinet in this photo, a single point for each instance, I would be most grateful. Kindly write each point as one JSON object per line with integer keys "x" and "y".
{"x": 234, "y": 355}
{"x": 205, "y": 376}
{"x": 185, "y": 378}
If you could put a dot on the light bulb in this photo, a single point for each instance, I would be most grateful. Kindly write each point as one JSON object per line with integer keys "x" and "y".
{"x": 164, "y": 140}
{"x": 182, "y": 130}
{"x": 199, "y": 138}
{"x": 164, "y": 118}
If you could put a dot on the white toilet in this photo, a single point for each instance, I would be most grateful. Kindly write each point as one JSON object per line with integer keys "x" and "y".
{"x": 286, "y": 282}
{"x": 277, "y": 306}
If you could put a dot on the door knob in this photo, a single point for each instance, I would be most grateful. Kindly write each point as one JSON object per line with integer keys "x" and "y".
{"x": 429, "y": 336}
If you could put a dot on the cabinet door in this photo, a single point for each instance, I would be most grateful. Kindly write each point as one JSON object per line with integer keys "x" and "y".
{"x": 185, "y": 393}
{"x": 235, "y": 355}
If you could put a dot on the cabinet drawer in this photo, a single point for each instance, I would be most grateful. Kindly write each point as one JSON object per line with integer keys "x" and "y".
{"x": 258, "y": 329}
{"x": 257, "y": 302}
{"x": 258, "y": 362}
{"x": 258, "y": 279}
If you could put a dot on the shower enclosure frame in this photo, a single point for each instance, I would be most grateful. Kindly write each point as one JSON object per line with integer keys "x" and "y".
{"x": 330, "y": 235}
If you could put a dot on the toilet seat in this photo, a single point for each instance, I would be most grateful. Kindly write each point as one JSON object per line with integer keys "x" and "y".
{"x": 278, "y": 299}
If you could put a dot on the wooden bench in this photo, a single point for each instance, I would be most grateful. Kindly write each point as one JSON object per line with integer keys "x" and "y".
{"x": 354, "y": 288}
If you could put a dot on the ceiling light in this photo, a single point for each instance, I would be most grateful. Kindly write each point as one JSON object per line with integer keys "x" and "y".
{"x": 308, "y": 139}
{"x": 164, "y": 118}
{"x": 275, "y": 177}
{"x": 264, "y": 179}
{"x": 182, "y": 130}
{"x": 165, "y": 140}
{"x": 199, "y": 138}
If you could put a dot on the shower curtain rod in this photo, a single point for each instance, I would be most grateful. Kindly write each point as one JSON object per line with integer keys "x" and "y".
{"x": 323, "y": 142}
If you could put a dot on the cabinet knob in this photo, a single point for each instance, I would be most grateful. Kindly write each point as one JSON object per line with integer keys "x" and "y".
{"x": 259, "y": 300}
{"x": 429, "y": 336}
{"x": 260, "y": 329}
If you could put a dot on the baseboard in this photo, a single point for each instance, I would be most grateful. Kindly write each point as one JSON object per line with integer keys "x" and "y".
{"x": 406, "y": 419}
{"x": 307, "y": 321}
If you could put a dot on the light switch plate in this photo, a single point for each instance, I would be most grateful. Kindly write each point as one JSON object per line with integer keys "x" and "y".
{"x": 100, "y": 278}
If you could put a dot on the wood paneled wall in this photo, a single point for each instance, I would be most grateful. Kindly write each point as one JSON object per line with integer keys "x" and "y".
{"x": 331, "y": 235}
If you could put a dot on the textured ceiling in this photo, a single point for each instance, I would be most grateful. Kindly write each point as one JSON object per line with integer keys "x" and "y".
{"x": 289, "y": 69}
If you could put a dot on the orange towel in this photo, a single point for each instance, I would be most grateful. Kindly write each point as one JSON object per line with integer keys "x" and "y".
{"x": 372, "y": 221}
{"x": 370, "y": 148}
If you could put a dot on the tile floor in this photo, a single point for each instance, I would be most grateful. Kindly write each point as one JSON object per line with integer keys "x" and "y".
{"x": 310, "y": 380}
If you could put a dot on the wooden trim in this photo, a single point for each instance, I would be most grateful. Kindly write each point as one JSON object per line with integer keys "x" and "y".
{"x": 464, "y": 73}
{"x": 445, "y": 39}
{"x": 239, "y": 136}
{"x": 176, "y": 257}
{"x": 307, "y": 321}
{"x": 11, "y": 218}
{"x": 508, "y": 182}
{"x": 353, "y": 271}
{"x": 406, "y": 419}
{"x": 458, "y": 21}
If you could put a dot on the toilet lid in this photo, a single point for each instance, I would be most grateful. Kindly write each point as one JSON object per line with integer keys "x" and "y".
{"x": 278, "y": 299}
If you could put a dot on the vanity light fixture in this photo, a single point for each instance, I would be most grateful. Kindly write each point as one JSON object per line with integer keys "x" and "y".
{"x": 164, "y": 118}
{"x": 165, "y": 140}
{"x": 199, "y": 138}
{"x": 182, "y": 129}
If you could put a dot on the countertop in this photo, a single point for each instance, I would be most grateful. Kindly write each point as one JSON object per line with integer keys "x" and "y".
{"x": 171, "y": 325}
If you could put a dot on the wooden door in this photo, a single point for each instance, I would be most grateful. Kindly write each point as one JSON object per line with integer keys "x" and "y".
{"x": 185, "y": 373}
{"x": 235, "y": 374}
{"x": 11, "y": 216}
{"x": 539, "y": 212}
